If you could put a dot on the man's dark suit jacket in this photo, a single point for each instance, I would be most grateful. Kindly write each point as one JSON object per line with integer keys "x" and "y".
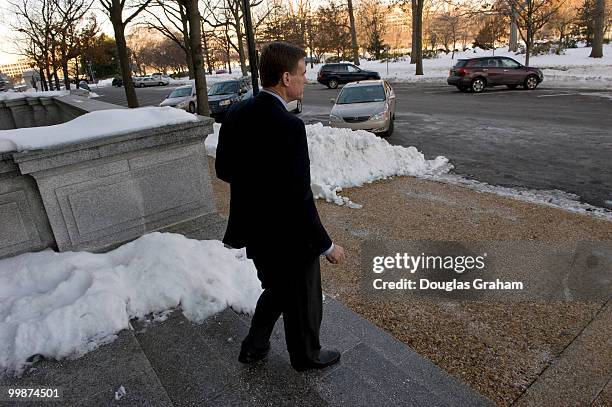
{"x": 263, "y": 154}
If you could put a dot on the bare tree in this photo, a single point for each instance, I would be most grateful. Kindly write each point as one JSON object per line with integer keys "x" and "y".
{"x": 354, "y": 46}
{"x": 70, "y": 14}
{"x": 169, "y": 17}
{"x": 598, "y": 29}
{"x": 195, "y": 39}
{"x": 34, "y": 24}
{"x": 562, "y": 20}
{"x": 531, "y": 16}
{"x": 513, "y": 41}
{"x": 417, "y": 34}
{"x": 229, "y": 14}
{"x": 372, "y": 27}
{"x": 115, "y": 9}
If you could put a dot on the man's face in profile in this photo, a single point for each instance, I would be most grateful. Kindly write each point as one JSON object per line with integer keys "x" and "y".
{"x": 296, "y": 82}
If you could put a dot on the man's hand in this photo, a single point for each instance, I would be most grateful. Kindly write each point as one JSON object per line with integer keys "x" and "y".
{"x": 336, "y": 256}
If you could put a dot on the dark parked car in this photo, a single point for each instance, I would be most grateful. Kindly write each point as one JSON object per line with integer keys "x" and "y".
{"x": 84, "y": 85}
{"x": 118, "y": 82}
{"x": 476, "y": 74}
{"x": 221, "y": 95}
{"x": 331, "y": 75}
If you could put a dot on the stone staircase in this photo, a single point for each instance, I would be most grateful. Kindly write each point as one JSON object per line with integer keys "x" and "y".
{"x": 177, "y": 363}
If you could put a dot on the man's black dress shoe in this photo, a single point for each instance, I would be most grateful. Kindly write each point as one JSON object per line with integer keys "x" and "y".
{"x": 251, "y": 356}
{"x": 326, "y": 358}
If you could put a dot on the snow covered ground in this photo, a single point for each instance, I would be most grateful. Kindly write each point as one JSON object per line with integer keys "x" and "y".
{"x": 32, "y": 94}
{"x": 342, "y": 158}
{"x": 66, "y": 304}
{"x": 97, "y": 124}
{"x": 210, "y": 79}
{"x": 573, "y": 69}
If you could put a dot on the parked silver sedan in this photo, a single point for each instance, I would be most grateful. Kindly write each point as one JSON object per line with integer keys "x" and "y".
{"x": 365, "y": 105}
{"x": 183, "y": 97}
{"x": 145, "y": 81}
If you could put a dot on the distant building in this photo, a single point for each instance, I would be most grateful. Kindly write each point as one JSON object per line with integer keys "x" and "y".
{"x": 16, "y": 69}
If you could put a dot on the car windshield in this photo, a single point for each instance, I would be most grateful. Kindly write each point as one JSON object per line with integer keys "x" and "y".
{"x": 223, "y": 88}
{"x": 461, "y": 63}
{"x": 361, "y": 94}
{"x": 180, "y": 92}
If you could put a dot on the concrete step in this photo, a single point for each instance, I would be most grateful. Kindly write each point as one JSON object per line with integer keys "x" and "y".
{"x": 375, "y": 368}
{"x": 198, "y": 365}
{"x": 93, "y": 379}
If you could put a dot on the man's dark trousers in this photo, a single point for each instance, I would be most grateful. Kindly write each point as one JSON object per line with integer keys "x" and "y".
{"x": 298, "y": 298}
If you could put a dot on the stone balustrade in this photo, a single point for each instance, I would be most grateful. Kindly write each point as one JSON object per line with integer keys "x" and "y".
{"x": 95, "y": 195}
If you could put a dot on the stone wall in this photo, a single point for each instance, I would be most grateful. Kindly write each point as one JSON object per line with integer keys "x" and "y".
{"x": 98, "y": 194}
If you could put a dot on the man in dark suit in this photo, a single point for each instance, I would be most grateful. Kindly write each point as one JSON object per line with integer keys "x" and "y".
{"x": 263, "y": 154}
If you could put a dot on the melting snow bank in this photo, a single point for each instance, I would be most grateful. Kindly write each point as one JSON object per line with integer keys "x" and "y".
{"x": 343, "y": 158}
{"x": 67, "y": 304}
{"x": 554, "y": 198}
{"x": 93, "y": 125}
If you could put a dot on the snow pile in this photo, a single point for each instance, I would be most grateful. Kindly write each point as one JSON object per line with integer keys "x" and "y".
{"x": 67, "y": 304}
{"x": 553, "y": 198}
{"x": 98, "y": 124}
{"x": 572, "y": 69}
{"x": 20, "y": 95}
{"x": 342, "y": 158}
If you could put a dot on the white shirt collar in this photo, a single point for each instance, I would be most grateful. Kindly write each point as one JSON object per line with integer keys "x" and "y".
{"x": 279, "y": 97}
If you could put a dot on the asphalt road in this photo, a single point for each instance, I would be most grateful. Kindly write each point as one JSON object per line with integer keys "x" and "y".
{"x": 544, "y": 139}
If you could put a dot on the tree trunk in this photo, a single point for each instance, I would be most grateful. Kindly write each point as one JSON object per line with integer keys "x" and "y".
{"x": 49, "y": 78}
{"x": 195, "y": 37}
{"x": 560, "y": 46}
{"x": 528, "y": 45}
{"x": 413, "y": 53}
{"x": 228, "y": 51}
{"x": 43, "y": 81}
{"x": 124, "y": 61}
{"x": 189, "y": 61}
{"x": 241, "y": 56}
{"x": 186, "y": 41}
{"x": 353, "y": 33}
{"x": 65, "y": 71}
{"x": 513, "y": 46}
{"x": 418, "y": 32}
{"x": 598, "y": 29}
{"x": 56, "y": 78}
{"x": 206, "y": 50}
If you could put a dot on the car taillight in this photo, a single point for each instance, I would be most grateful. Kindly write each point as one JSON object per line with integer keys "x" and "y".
{"x": 461, "y": 72}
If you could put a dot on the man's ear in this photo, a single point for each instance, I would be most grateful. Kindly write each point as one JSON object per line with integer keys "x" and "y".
{"x": 285, "y": 78}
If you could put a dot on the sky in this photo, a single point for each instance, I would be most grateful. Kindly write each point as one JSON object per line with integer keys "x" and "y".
{"x": 7, "y": 48}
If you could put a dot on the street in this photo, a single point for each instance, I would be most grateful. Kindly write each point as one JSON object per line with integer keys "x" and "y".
{"x": 545, "y": 139}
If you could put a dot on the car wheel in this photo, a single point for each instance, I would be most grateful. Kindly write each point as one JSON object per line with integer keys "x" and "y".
{"x": 161, "y": 84}
{"x": 298, "y": 108}
{"x": 531, "y": 82}
{"x": 478, "y": 85}
{"x": 389, "y": 132}
{"x": 512, "y": 87}
{"x": 332, "y": 84}
{"x": 141, "y": 85}
{"x": 191, "y": 108}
